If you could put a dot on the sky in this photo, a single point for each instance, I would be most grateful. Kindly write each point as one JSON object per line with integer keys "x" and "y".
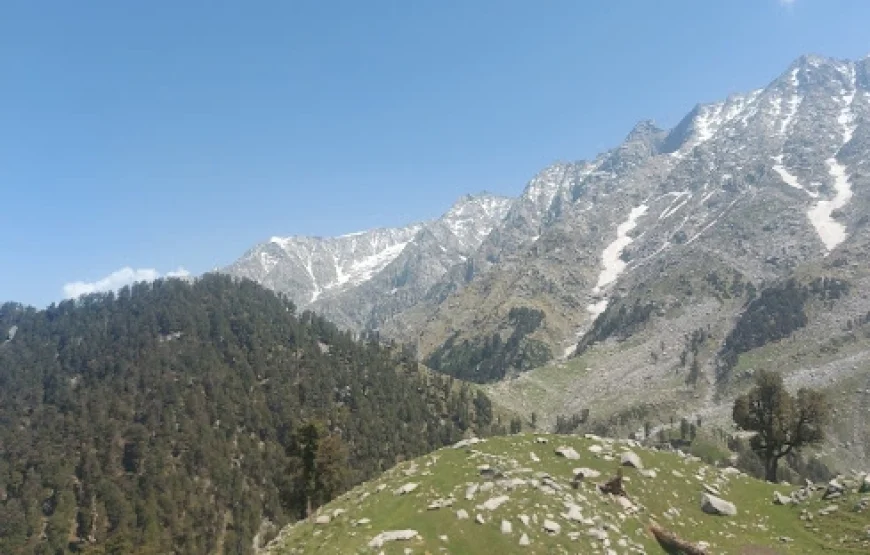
{"x": 140, "y": 139}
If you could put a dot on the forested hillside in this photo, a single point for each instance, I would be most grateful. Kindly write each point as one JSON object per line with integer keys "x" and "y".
{"x": 186, "y": 417}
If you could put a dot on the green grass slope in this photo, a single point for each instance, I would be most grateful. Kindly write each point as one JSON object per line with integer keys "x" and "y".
{"x": 533, "y": 484}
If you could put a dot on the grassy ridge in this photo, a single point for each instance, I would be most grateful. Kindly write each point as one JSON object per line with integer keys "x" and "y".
{"x": 670, "y": 495}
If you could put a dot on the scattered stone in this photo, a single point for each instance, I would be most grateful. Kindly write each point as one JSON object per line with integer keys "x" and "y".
{"x": 382, "y": 487}
{"x": 730, "y": 471}
{"x": 441, "y": 503}
{"x": 551, "y": 527}
{"x": 506, "y": 527}
{"x": 713, "y": 505}
{"x": 466, "y": 442}
{"x": 470, "y": 491}
{"x": 524, "y": 540}
{"x": 828, "y": 510}
{"x": 677, "y": 474}
{"x": 443, "y": 538}
{"x": 524, "y": 519}
{"x": 595, "y": 448}
{"x": 487, "y": 486}
{"x": 567, "y": 452}
{"x": 780, "y": 499}
{"x": 362, "y": 522}
{"x": 462, "y": 514}
{"x": 541, "y": 440}
{"x": 584, "y": 473}
{"x": 865, "y": 484}
{"x": 478, "y": 518}
{"x": 391, "y": 536}
{"x": 573, "y": 513}
{"x": 407, "y": 488}
{"x": 534, "y": 457}
{"x": 834, "y": 490}
{"x": 495, "y": 502}
{"x": 711, "y": 489}
{"x": 598, "y": 533}
{"x": 338, "y": 512}
{"x": 648, "y": 473}
{"x": 630, "y": 458}
{"x": 322, "y": 519}
{"x": 625, "y": 503}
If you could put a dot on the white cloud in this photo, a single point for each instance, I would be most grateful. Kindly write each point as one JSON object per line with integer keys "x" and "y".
{"x": 786, "y": 2}
{"x": 116, "y": 280}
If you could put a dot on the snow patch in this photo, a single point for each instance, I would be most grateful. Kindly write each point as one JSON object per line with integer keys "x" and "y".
{"x": 830, "y": 231}
{"x": 793, "y": 104}
{"x": 610, "y": 257}
{"x": 789, "y": 178}
{"x": 671, "y": 209}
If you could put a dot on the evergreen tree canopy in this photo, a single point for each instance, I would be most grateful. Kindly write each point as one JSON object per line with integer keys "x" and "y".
{"x": 183, "y": 417}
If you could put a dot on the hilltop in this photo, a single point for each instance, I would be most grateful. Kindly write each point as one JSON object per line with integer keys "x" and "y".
{"x": 514, "y": 494}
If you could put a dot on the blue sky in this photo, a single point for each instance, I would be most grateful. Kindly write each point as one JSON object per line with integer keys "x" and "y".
{"x": 162, "y": 135}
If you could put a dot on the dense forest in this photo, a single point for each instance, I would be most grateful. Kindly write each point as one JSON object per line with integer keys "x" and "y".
{"x": 490, "y": 358}
{"x": 188, "y": 417}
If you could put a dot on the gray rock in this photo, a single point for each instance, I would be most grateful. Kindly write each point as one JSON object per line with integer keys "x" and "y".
{"x": 393, "y": 535}
{"x": 462, "y": 514}
{"x": 780, "y": 499}
{"x": 495, "y": 502}
{"x": 524, "y": 540}
{"x": 552, "y": 528}
{"x": 584, "y": 473}
{"x": 713, "y": 505}
{"x": 407, "y": 488}
{"x": 567, "y": 452}
{"x": 506, "y": 527}
{"x": 630, "y": 458}
{"x": 322, "y": 519}
{"x": 478, "y": 518}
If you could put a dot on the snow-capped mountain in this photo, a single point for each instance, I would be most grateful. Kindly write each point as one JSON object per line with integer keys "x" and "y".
{"x": 649, "y": 262}
{"x": 349, "y": 277}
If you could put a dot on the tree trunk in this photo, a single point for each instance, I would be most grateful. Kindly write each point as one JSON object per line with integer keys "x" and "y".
{"x": 770, "y": 466}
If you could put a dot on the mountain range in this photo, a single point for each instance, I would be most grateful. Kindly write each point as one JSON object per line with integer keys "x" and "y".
{"x": 656, "y": 274}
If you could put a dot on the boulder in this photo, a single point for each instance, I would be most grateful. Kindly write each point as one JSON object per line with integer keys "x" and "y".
{"x": 534, "y": 457}
{"x": 595, "y": 448}
{"x": 551, "y": 527}
{"x": 584, "y": 473}
{"x": 462, "y": 514}
{"x": 630, "y": 458}
{"x": 470, "y": 491}
{"x": 524, "y": 540}
{"x": 713, "y": 505}
{"x": 466, "y": 443}
{"x": 567, "y": 452}
{"x": 391, "y": 536}
{"x": 322, "y": 519}
{"x": 495, "y": 502}
{"x": 524, "y": 519}
{"x": 407, "y": 488}
{"x": 835, "y": 489}
{"x": 506, "y": 527}
{"x": 780, "y": 499}
{"x": 478, "y": 518}
{"x": 573, "y": 513}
